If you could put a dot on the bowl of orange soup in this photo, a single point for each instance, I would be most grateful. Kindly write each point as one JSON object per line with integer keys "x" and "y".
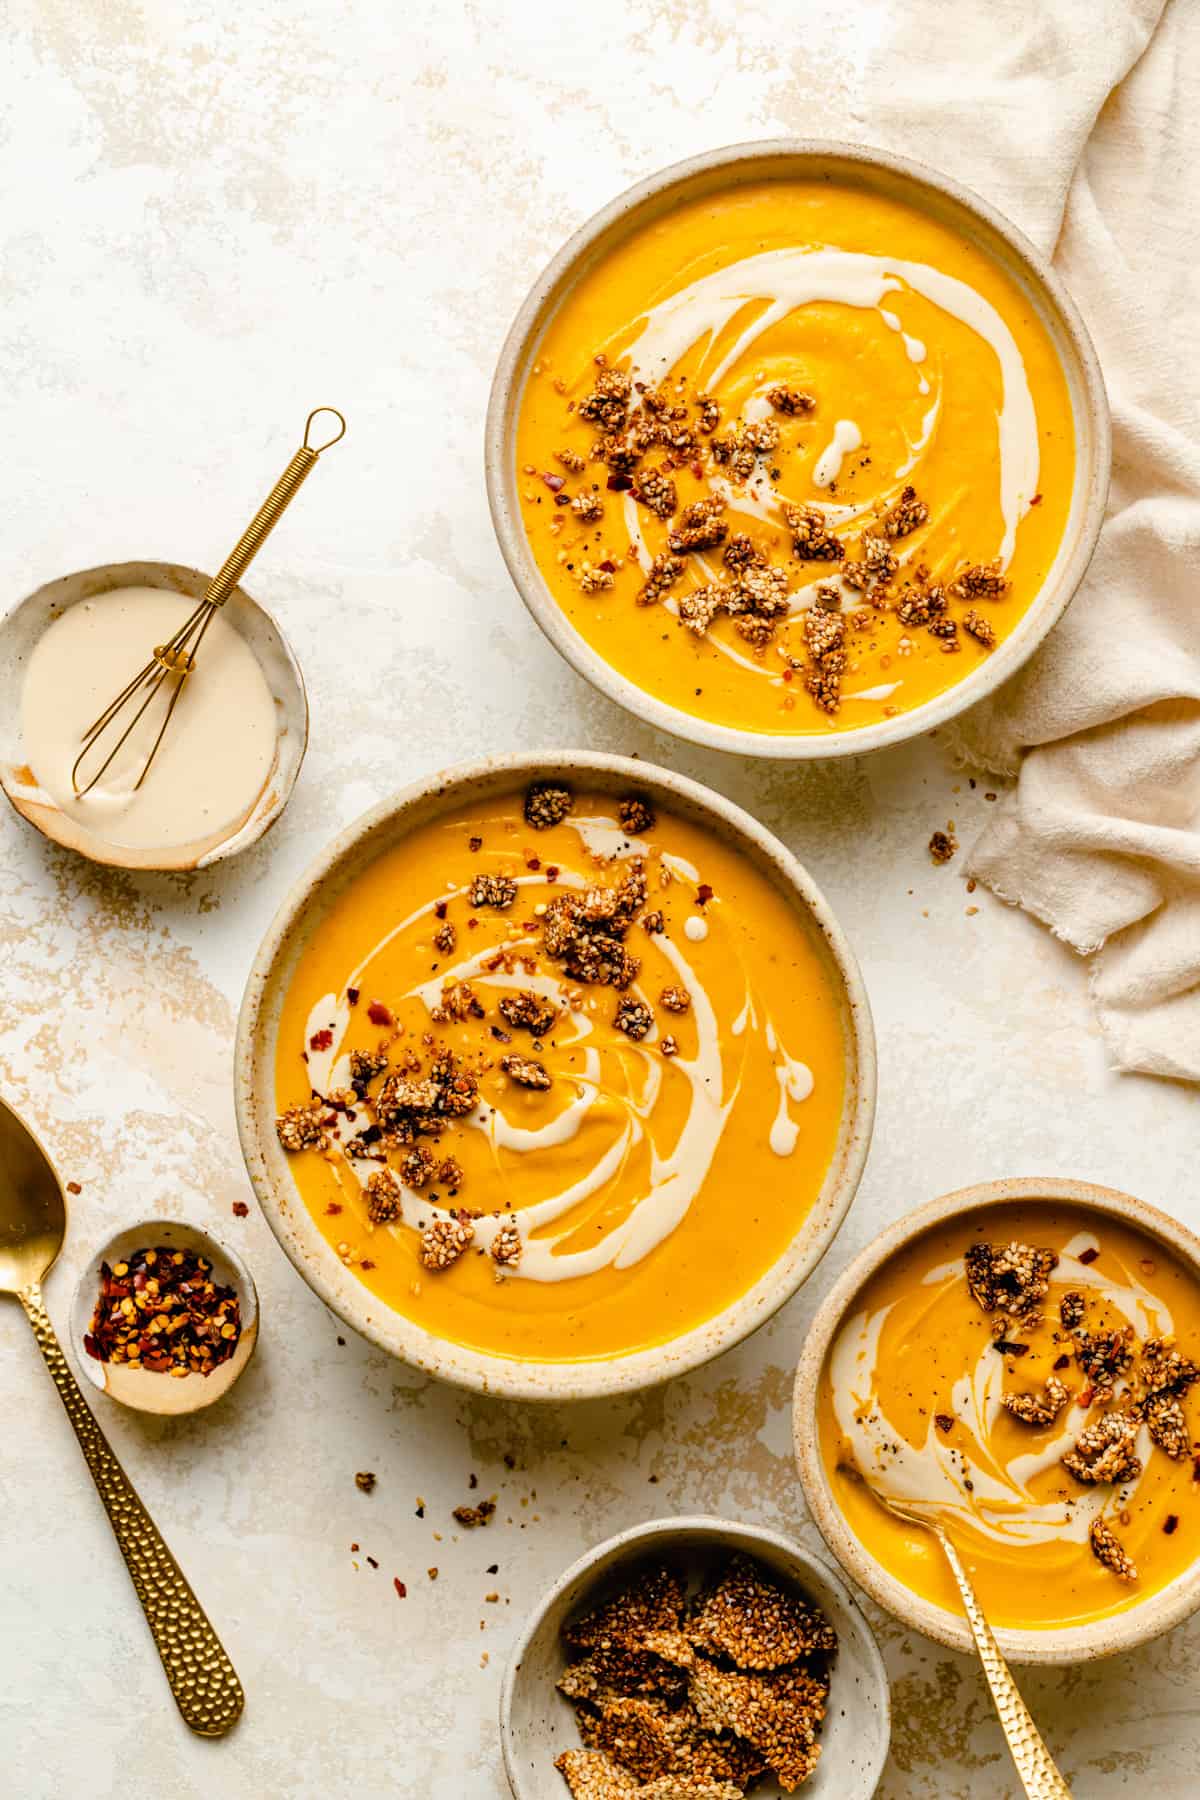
{"x": 1020, "y": 1361}
{"x": 555, "y": 1075}
{"x": 797, "y": 449}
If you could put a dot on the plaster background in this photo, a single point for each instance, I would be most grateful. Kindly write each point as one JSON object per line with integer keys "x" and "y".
{"x": 213, "y": 219}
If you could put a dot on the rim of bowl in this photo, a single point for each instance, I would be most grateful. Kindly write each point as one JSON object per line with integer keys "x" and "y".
{"x": 1138, "y": 1624}
{"x": 210, "y": 1388}
{"x": 1023, "y": 263}
{"x": 349, "y": 1298}
{"x": 735, "y": 1533}
{"x": 279, "y": 665}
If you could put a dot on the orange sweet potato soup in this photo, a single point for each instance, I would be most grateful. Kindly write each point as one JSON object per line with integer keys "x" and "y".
{"x": 561, "y": 1078}
{"x": 1025, "y": 1374}
{"x": 795, "y": 457}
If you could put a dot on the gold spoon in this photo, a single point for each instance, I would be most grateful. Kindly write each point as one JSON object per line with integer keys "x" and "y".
{"x": 1035, "y": 1765}
{"x": 33, "y": 1223}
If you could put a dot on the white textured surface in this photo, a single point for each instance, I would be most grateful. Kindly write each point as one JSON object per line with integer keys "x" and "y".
{"x": 213, "y": 219}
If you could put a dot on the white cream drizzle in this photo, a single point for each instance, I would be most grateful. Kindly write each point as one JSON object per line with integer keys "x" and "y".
{"x": 780, "y": 281}
{"x": 883, "y": 691}
{"x": 933, "y": 1477}
{"x": 828, "y": 466}
{"x": 795, "y": 1081}
{"x": 676, "y": 1175}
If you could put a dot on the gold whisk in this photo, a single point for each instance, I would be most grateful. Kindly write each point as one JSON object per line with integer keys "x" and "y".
{"x": 177, "y": 657}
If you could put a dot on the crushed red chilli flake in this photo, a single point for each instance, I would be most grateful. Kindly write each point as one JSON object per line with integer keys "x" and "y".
{"x": 73, "y": 1187}
{"x": 352, "y": 995}
{"x": 379, "y": 1014}
{"x": 619, "y": 484}
{"x": 703, "y": 894}
{"x": 1088, "y": 1256}
{"x": 440, "y": 909}
{"x": 334, "y": 1207}
{"x": 1170, "y": 1523}
{"x": 1063, "y": 1362}
{"x": 943, "y": 1421}
{"x": 608, "y": 566}
{"x": 240, "y": 1210}
{"x": 160, "y": 1309}
{"x": 321, "y": 1040}
{"x": 399, "y": 1587}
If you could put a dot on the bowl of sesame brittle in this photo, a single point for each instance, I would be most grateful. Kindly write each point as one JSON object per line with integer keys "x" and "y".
{"x": 695, "y": 1656}
{"x": 1020, "y": 1361}
{"x": 797, "y": 449}
{"x": 555, "y": 1075}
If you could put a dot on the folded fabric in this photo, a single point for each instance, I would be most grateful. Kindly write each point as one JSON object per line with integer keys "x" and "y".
{"x": 1083, "y": 123}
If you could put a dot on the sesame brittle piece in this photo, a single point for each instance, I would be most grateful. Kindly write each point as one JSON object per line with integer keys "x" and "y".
{"x": 981, "y": 629}
{"x": 982, "y": 581}
{"x": 528, "y": 1012}
{"x": 665, "y": 571}
{"x": 444, "y": 1241}
{"x": 608, "y": 404}
{"x": 652, "y": 1601}
{"x": 1106, "y": 1548}
{"x": 492, "y": 890}
{"x": 302, "y": 1127}
{"x": 385, "y": 1197}
{"x": 790, "y": 401}
{"x": 905, "y": 516}
{"x": 699, "y": 527}
{"x": 507, "y": 1246}
{"x": 777, "y": 1711}
{"x": 689, "y": 1787}
{"x": 635, "y": 1734}
{"x": 636, "y": 815}
{"x": 1106, "y": 1450}
{"x": 592, "y": 1775}
{"x": 546, "y": 805}
{"x": 812, "y": 541}
{"x": 757, "y": 1624}
{"x": 1009, "y": 1279}
{"x": 1038, "y": 1409}
{"x": 700, "y": 607}
{"x": 1167, "y": 1425}
{"x": 1164, "y": 1370}
{"x": 526, "y": 1072}
{"x": 655, "y": 490}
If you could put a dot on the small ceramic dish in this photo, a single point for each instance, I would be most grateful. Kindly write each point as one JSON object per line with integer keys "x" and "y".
{"x": 897, "y": 177}
{"x": 302, "y": 914}
{"x": 143, "y": 1389}
{"x": 1120, "y": 1631}
{"x": 21, "y": 629}
{"x": 537, "y": 1723}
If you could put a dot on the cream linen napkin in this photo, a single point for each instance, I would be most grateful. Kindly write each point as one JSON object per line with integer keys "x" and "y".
{"x": 1081, "y": 119}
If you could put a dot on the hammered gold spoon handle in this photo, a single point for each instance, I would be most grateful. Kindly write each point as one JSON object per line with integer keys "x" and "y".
{"x": 203, "y": 1680}
{"x": 1035, "y": 1765}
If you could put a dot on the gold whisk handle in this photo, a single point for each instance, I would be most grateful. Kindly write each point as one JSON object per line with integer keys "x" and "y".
{"x": 1035, "y": 1765}
{"x": 203, "y": 1680}
{"x": 271, "y": 510}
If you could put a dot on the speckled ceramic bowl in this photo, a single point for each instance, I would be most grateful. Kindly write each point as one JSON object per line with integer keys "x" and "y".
{"x": 1140, "y": 1622}
{"x": 810, "y": 159}
{"x": 142, "y": 1389}
{"x": 537, "y": 1723}
{"x": 24, "y": 625}
{"x": 301, "y": 914}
